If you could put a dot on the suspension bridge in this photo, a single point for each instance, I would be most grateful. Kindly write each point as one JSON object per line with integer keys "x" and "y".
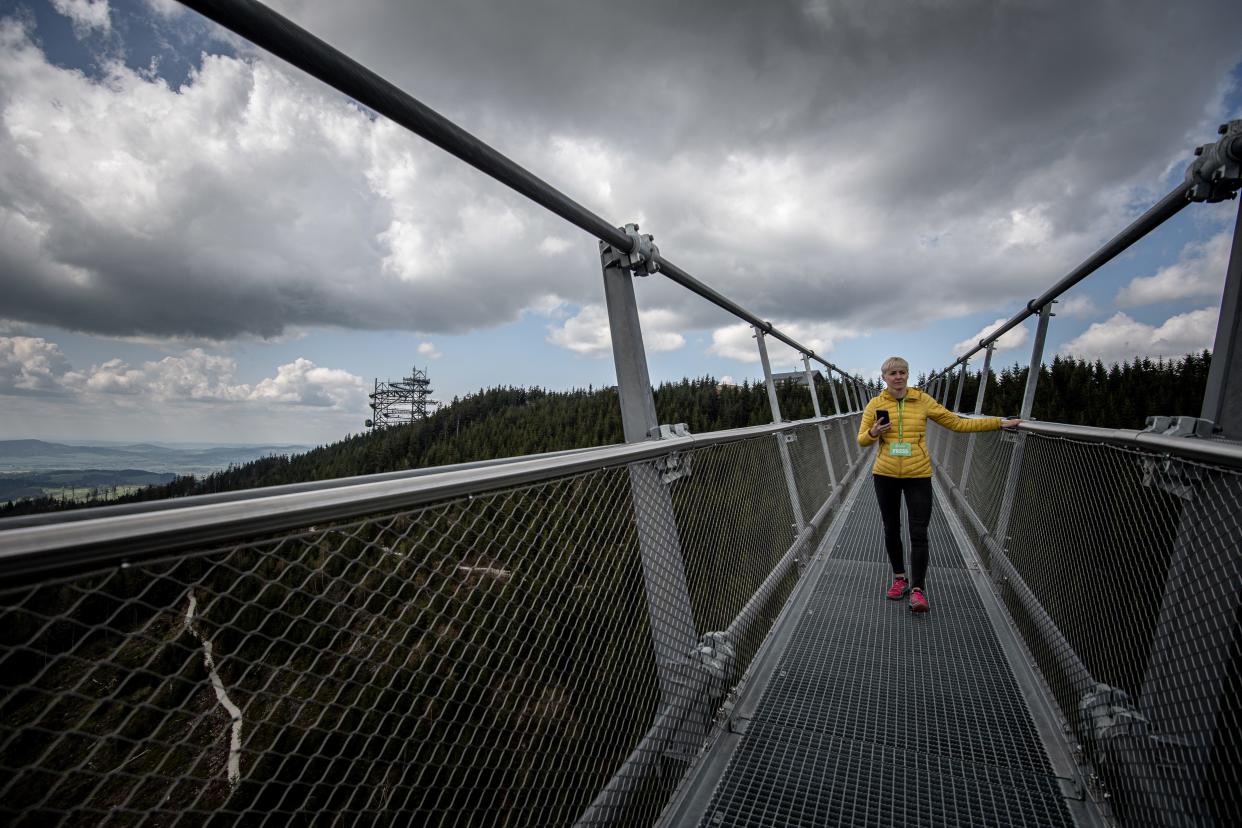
{"x": 686, "y": 629}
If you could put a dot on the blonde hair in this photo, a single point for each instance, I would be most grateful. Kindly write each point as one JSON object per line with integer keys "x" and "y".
{"x": 894, "y": 362}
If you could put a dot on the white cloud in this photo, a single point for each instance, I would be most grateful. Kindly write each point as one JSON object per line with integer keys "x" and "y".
{"x": 301, "y": 382}
{"x": 166, "y": 8}
{"x": 586, "y": 332}
{"x": 276, "y": 205}
{"x": 1198, "y": 271}
{"x": 429, "y": 350}
{"x": 1014, "y": 338}
{"x": 1076, "y": 306}
{"x": 553, "y": 245}
{"x": 1121, "y": 338}
{"x": 87, "y": 15}
{"x": 549, "y": 305}
{"x": 726, "y": 380}
{"x": 737, "y": 342}
{"x": 30, "y": 365}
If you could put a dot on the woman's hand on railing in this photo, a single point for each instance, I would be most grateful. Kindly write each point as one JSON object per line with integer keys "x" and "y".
{"x": 1013, "y": 422}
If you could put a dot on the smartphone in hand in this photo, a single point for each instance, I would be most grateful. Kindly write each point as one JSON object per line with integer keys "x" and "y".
{"x": 881, "y": 417}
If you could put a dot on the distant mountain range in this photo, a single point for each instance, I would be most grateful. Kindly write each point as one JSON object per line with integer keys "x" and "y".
{"x": 40, "y": 456}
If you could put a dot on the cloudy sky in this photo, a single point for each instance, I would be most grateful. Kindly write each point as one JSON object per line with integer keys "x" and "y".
{"x": 198, "y": 242}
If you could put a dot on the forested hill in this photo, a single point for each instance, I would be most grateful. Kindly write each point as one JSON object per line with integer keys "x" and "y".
{"x": 507, "y": 422}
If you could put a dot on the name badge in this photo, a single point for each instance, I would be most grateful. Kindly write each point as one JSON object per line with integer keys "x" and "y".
{"x": 899, "y": 449}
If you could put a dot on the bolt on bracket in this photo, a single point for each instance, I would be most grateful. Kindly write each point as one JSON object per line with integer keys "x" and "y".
{"x": 643, "y": 255}
{"x": 717, "y": 657}
{"x": 1216, "y": 173}
{"x": 676, "y": 464}
{"x": 1165, "y": 473}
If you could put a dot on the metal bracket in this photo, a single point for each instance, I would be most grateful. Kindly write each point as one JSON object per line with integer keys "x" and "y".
{"x": 675, "y": 465}
{"x": 1216, "y": 173}
{"x": 790, "y": 437}
{"x": 1164, "y": 473}
{"x": 717, "y": 658}
{"x": 642, "y": 256}
{"x": 1106, "y": 712}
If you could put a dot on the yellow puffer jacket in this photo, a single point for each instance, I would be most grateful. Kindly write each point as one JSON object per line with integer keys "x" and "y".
{"x": 909, "y": 418}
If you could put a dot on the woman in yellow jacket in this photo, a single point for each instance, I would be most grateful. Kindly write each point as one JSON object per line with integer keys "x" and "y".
{"x": 902, "y": 467}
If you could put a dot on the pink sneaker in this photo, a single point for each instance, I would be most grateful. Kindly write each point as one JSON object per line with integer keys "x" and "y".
{"x": 899, "y": 589}
{"x": 918, "y": 602}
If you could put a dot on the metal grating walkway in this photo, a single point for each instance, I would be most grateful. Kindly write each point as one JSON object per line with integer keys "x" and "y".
{"x": 875, "y": 716}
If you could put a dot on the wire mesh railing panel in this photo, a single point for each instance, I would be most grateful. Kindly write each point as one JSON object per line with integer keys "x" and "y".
{"x": 483, "y": 661}
{"x": 518, "y": 656}
{"x": 1133, "y": 558}
{"x": 989, "y": 465}
{"x": 736, "y": 523}
{"x": 1121, "y": 571}
{"x": 839, "y": 436}
{"x": 810, "y": 469}
{"x": 1111, "y": 540}
{"x": 954, "y": 456}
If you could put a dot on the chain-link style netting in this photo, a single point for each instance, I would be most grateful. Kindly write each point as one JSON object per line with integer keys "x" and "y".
{"x": 497, "y": 659}
{"x": 1121, "y": 570}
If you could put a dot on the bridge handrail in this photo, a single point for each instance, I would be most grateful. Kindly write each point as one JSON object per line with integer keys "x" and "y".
{"x": 1113, "y": 551}
{"x": 1208, "y": 451}
{"x": 1157, "y": 214}
{"x": 113, "y": 538}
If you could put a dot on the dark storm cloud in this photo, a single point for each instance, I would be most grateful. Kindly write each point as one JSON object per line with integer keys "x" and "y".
{"x": 808, "y": 159}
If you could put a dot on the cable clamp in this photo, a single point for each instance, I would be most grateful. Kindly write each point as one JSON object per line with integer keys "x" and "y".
{"x": 1216, "y": 173}
{"x": 717, "y": 657}
{"x": 1167, "y": 473}
{"x": 643, "y": 258}
{"x": 675, "y": 464}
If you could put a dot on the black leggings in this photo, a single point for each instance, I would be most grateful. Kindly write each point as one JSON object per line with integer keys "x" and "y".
{"x": 918, "y": 492}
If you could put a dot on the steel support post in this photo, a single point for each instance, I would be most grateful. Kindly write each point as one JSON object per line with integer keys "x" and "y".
{"x": 1019, "y": 446}
{"x": 664, "y": 577}
{"x": 786, "y": 461}
{"x": 961, "y": 383}
{"x": 1189, "y": 667}
{"x": 823, "y": 438}
{"x": 934, "y": 393}
{"x": 1192, "y": 665}
{"x": 983, "y": 389}
{"x": 832, "y": 386}
{"x": 846, "y": 437}
{"x": 1222, "y": 398}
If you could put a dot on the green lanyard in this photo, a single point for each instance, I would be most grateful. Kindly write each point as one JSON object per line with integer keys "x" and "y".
{"x": 900, "y": 430}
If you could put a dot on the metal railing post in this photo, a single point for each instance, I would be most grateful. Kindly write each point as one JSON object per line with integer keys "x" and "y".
{"x": 664, "y": 576}
{"x": 1028, "y": 403}
{"x": 1222, "y": 398}
{"x": 961, "y": 383}
{"x": 1198, "y": 622}
{"x": 846, "y": 437}
{"x": 823, "y": 438}
{"x": 983, "y": 388}
{"x": 786, "y": 461}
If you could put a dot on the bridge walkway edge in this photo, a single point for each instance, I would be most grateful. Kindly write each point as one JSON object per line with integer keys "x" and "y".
{"x": 819, "y": 736}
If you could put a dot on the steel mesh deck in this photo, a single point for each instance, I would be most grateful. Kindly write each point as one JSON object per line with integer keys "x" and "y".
{"x": 874, "y": 716}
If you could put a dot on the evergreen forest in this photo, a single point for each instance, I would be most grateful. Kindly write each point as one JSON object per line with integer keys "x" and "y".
{"x": 509, "y": 422}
